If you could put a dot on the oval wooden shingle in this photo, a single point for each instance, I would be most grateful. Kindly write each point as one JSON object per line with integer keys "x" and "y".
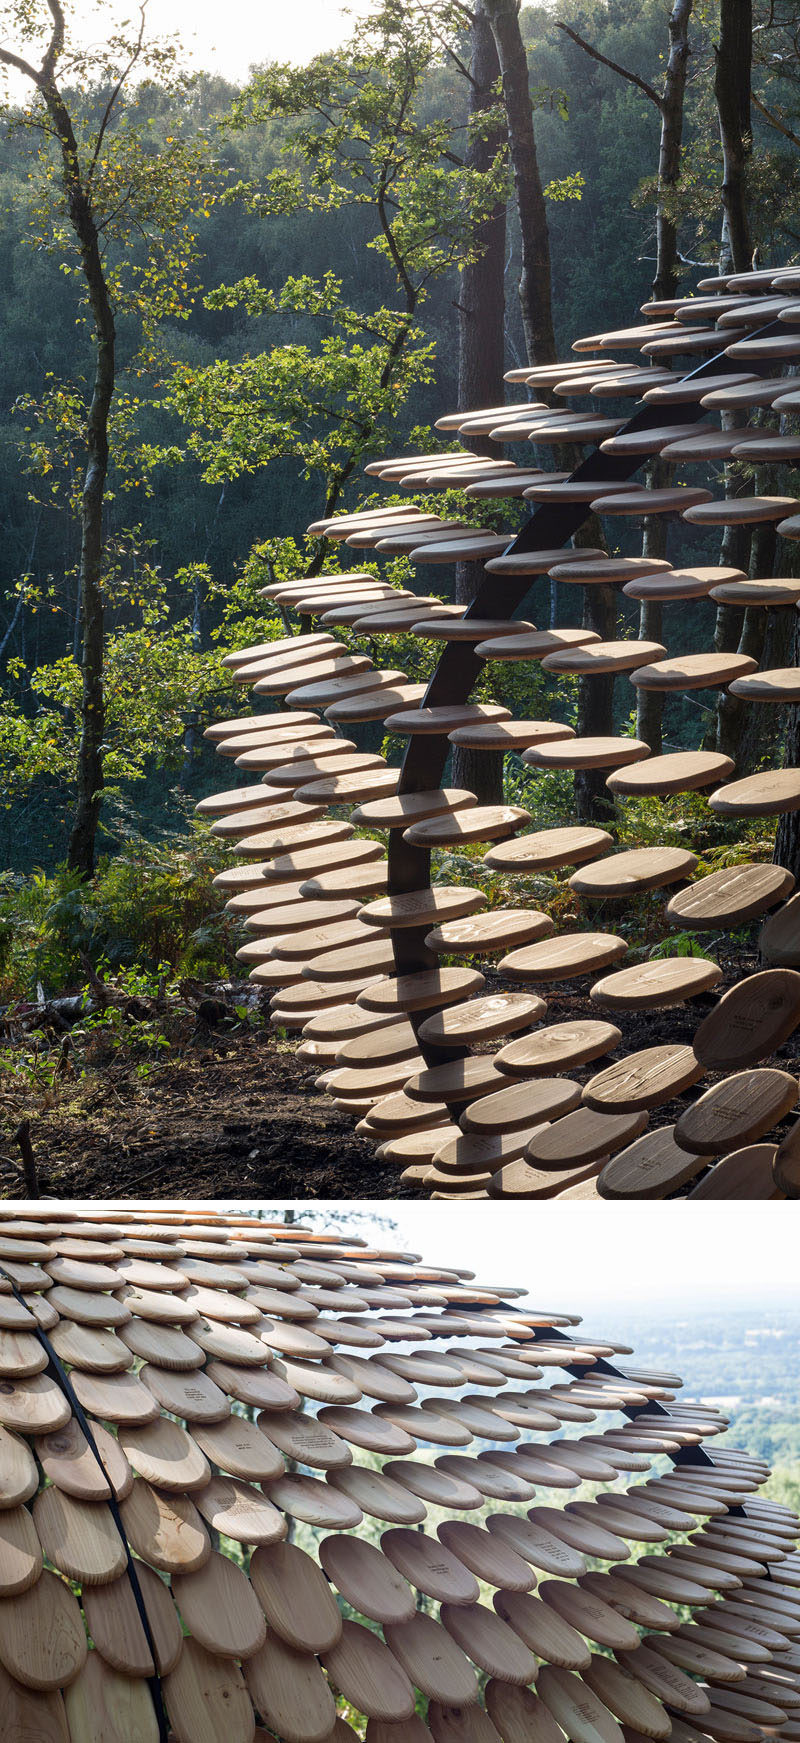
{"x": 525, "y": 1104}
{"x": 653, "y": 1166}
{"x": 621, "y": 1692}
{"x": 19, "y": 1478}
{"x": 588, "y": 1614}
{"x": 582, "y": 1137}
{"x": 430, "y": 1566}
{"x": 33, "y": 1404}
{"x": 490, "y": 1556}
{"x": 565, "y": 957}
{"x": 104, "y": 1707}
{"x": 557, "y": 1047}
{"x": 367, "y": 1579}
{"x": 433, "y": 1661}
{"x": 219, "y": 1607}
{"x": 751, "y": 1021}
{"x": 644, "y": 1080}
{"x": 519, "y": 1715}
{"x": 542, "y": 1629}
{"x": 738, "y": 1111}
{"x": 20, "y": 1552}
{"x": 42, "y": 1637}
{"x": 113, "y": 1620}
{"x": 537, "y": 1545}
{"x": 79, "y": 1537}
{"x": 165, "y": 1454}
{"x": 206, "y": 1698}
{"x": 27, "y": 1713}
{"x": 489, "y": 1642}
{"x": 746, "y": 1173}
{"x": 628, "y": 874}
{"x": 575, "y": 1708}
{"x": 166, "y": 1531}
{"x": 239, "y": 1448}
{"x": 482, "y": 1018}
{"x": 459, "y": 1725}
{"x": 369, "y": 1673}
{"x": 652, "y": 985}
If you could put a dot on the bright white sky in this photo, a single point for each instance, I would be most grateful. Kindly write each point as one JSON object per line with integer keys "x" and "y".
{"x": 228, "y": 39}
{"x": 592, "y": 1259}
{"x": 587, "y": 1257}
{"x": 224, "y": 39}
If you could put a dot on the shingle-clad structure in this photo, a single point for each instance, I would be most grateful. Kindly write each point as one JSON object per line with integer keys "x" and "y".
{"x": 254, "y": 1478}
{"x": 333, "y": 844}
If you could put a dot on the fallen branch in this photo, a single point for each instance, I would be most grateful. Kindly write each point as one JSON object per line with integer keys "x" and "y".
{"x": 30, "y": 1172}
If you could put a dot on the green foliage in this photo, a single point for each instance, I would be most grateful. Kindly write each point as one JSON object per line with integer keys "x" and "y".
{"x": 152, "y": 909}
{"x": 325, "y": 408}
{"x": 284, "y": 265}
{"x": 361, "y": 132}
{"x": 156, "y": 677}
{"x": 358, "y": 138}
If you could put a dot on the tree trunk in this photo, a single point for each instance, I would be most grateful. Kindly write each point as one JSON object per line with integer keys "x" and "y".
{"x": 665, "y": 282}
{"x": 669, "y": 104}
{"x": 753, "y": 550}
{"x": 481, "y": 348}
{"x": 763, "y": 724}
{"x": 745, "y": 729}
{"x": 734, "y": 553}
{"x": 650, "y": 703}
{"x": 787, "y": 840}
{"x": 535, "y": 290}
{"x": 479, "y": 771}
{"x": 732, "y": 75}
{"x": 593, "y": 801}
{"x": 81, "y": 850}
{"x": 481, "y": 292}
{"x": 192, "y": 726}
{"x": 732, "y": 713}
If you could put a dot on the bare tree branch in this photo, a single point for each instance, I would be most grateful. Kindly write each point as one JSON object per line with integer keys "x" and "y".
{"x": 649, "y": 91}
{"x": 109, "y": 108}
{"x": 56, "y": 43}
{"x": 461, "y": 66}
{"x": 774, "y": 120}
{"x": 7, "y": 59}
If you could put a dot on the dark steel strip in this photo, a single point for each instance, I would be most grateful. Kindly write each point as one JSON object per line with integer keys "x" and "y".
{"x": 62, "y": 1380}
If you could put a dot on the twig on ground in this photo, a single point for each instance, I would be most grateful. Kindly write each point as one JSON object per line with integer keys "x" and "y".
{"x": 30, "y": 1172}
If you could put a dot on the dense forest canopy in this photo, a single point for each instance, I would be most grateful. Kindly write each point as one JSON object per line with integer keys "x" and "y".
{"x": 257, "y": 296}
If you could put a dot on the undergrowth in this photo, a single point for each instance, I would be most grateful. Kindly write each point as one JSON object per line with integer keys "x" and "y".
{"x": 152, "y": 907}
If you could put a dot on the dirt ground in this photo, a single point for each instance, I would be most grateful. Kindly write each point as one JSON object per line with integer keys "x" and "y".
{"x": 238, "y": 1115}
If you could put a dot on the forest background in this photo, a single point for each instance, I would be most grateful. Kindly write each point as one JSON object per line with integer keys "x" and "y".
{"x": 280, "y": 320}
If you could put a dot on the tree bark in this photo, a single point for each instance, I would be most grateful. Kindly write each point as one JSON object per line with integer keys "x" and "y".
{"x": 650, "y": 703}
{"x": 763, "y": 724}
{"x": 535, "y": 286}
{"x": 732, "y": 78}
{"x": 665, "y": 283}
{"x": 745, "y": 730}
{"x": 669, "y": 103}
{"x": 593, "y": 801}
{"x": 595, "y": 703}
{"x": 787, "y": 839}
{"x": 89, "y": 782}
{"x": 481, "y": 355}
{"x": 478, "y": 771}
{"x": 481, "y": 292}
